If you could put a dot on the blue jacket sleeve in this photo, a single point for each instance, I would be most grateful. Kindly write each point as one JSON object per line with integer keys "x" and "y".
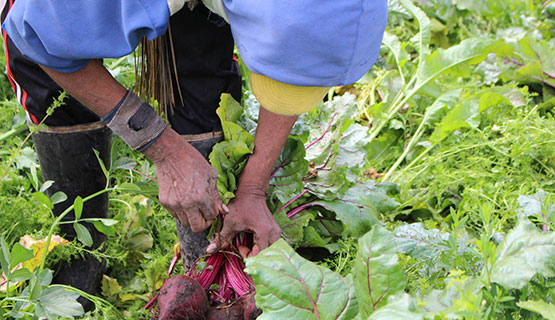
{"x": 65, "y": 34}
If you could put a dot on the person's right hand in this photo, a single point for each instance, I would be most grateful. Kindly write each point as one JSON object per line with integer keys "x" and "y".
{"x": 186, "y": 181}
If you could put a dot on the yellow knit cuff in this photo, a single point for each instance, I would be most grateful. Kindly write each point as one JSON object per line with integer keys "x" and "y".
{"x": 285, "y": 99}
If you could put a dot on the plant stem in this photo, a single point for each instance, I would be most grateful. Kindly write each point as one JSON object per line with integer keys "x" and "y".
{"x": 12, "y": 132}
{"x": 292, "y": 200}
{"x": 323, "y": 134}
{"x": 413, "y": 141}
{"x": 298, "y": 209}
{"x": 59, "y": 219}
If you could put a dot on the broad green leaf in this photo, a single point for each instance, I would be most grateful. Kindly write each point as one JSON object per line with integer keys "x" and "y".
{"x": 370, "y": 194}
{"x": 229, "y": 158}
{"x": 291, "y": 167}
{"x": 352, "y": 148}
{"x": 20, "y": 254}
{"x": 399, "y": 307}
{"x": 466, "y": 113}
{"x": 58, "y": 197}
{"x": 290, "y": 287}
{"x": 458, "y": 58}
{"x": 459, "y": 291}
{"x": 26, "y": 159}
{"x": 547, "y": 310}
{"x": 357, "y": 219}
{"x": 324, "y": 125}
{"x": 524, "y": 253}
{"x": 434, "y": 112}
{"x": 140, "y": 241}
{"x": 328, "y": 184}
{"x": 83, "y": 234}
{"x": 312, "y": 238}
{"x": 532, "y": 205}
{"x": 377, "y": 274}
{"x": 78, "y": 207}
{"x": 233, "y": 132}
{"x": 359, "y": 208}
{"x": 229, "y": 110}
{"x": 293, "y": 228}
{"x": 532, "y": 61}
{"x": 56, "y": 301}
{"x": 419, "y": 243}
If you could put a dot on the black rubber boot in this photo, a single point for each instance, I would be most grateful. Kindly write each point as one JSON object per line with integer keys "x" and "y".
{"x": 193, "y": 245}
{"x": 66, "y": 156}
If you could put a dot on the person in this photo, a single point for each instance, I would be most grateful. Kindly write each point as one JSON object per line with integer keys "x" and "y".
{"x": 294, "y": 50}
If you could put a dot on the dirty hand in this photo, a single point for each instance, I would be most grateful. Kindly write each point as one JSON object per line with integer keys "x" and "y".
{"x": 248, "y": 212}
{"x": 186, "y": 181}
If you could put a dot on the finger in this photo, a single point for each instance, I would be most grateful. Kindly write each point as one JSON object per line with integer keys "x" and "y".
{"x": 275, "y": 236}
{"x": 196, "y": 221}
{"x": 255, "y": 250}
{"x": 218, "y": 205}
{"x": 261, "y": 242}
{"x": 223, "y": 238}
{"x": 179, "y": 215}
{"x": 208, "y": 209}
{"x": 244, "y": 251}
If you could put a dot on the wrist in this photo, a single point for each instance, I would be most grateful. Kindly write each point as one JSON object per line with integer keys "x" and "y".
{"x": 164, "y": 147}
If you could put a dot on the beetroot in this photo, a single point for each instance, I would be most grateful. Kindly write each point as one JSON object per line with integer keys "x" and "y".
{"x": 221, "y": 283}
{"x": 251, "y": 312}
{"x": 181, "y": 298}
{"x": 233, "y": 312}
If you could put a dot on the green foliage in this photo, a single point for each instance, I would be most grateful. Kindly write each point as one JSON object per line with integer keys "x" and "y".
{"x": 458, "y": 113}
{"x": 289, "y": 287}
{"x": 376, "y": 272}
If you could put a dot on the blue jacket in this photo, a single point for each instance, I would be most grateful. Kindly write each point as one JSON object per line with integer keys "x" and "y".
{"x": 320, "y": 43}
{"x": 65, "y": 34}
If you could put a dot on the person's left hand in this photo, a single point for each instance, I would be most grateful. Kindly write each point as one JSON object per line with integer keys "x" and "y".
{"x": 248, "y": 212}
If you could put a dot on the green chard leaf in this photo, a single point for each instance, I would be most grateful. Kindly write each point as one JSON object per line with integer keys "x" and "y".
{"x": 399, "y": 307}
{"x": 532, "y": 61}
{"x": 360, "y": 207}
{"x": 230, "y": 156}
{"x": 290, "y": 287}
{"x": 420, "y": 243}
{"x": 466, "y": 113}
{"x": 524, "y": 252}
{"x": 547, "y": 310}
{"x": 377, "y": 274}
{"x": 291, "y": 167}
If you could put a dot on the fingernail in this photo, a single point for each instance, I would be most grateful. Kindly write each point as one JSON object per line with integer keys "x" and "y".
{"x": 225, "y": 208}
{"x": 211, "y": 248}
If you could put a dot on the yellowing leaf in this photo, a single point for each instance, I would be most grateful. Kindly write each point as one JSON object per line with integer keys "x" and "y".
{"x": 110, "y": 286}
{"x": 38, "y": 248}
{"x": 38, "y": 251}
